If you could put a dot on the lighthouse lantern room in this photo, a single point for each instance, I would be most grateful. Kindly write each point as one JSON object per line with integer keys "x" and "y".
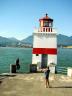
{"x": 44, "y": 51}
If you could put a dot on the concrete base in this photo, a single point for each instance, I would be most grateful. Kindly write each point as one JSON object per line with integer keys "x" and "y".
{"x": 69, "y": 72}
{"x": 52, "y": 69}
{"x": 33, "y": 68}
{"x": 12, "y": 68}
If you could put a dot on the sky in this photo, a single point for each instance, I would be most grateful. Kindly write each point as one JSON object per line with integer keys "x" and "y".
{"x": 18, "y": 18}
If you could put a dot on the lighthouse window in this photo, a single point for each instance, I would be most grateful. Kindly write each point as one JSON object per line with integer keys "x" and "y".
{"x": 37, "y": 54}
{"x": 50, "y": 25}
{"x": 46, "y": 23}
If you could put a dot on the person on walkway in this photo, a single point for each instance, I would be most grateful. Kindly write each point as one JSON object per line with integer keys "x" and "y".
{"x": 47, "y": 72}
{"x": 17, "y": 64}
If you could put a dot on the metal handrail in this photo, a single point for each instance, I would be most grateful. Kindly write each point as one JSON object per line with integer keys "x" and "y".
{"x": 62, "y": 70}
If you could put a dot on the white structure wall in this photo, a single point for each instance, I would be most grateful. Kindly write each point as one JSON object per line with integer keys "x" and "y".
{"x": 45, "y": 40}
{"x": 37, "y": 59}
{"x": 52, "y": 59}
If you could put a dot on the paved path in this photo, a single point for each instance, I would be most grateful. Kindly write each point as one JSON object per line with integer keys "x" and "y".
{"x": 34, "y": 85}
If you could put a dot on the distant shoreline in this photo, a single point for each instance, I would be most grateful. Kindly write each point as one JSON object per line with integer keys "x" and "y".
{"x": 15, "y": 47}
{"x": 67, "y": 47}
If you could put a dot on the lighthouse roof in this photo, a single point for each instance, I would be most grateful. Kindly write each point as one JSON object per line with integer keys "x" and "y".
{"x": 46, "y": 18}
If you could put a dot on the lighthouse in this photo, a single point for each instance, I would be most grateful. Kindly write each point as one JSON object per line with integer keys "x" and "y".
{"x": 44, "y": 52}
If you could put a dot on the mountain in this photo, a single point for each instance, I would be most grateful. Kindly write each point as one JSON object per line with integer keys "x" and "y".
{"x": 61, "y": 40}
{"x": 4, "y": 41}
{"x": 64, "y": 40}
{"x": 13, "y": 39}
{"x": 28, "y": 40}
{"x": 7, "y": 41}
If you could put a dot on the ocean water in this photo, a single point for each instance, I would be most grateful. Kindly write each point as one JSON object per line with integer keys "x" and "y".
{"x": 9, "y": 55}
{"x": 64, "y": 57}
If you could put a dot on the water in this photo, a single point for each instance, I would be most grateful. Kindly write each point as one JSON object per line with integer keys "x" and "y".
{"x": 9, "y": 55}
{"x": 65, "y": 57}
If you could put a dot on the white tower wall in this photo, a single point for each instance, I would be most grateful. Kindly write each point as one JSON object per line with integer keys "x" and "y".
{"x": 45, "y": 40}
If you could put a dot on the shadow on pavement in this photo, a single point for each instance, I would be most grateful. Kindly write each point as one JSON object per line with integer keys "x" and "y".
{"x": 3, "y": 76}
{"x": 61, "y": 87}
{"x": 0, "y": 81}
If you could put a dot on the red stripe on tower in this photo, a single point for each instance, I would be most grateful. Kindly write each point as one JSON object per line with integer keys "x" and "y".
{"x": 44, "y": 51}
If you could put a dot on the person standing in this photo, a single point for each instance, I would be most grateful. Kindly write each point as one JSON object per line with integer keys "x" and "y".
{"x": 47, "y": 72}
{"x": 17, "y": 64}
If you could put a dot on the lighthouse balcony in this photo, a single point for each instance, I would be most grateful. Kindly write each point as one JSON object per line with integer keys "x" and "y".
{"x": 45, "y": 29}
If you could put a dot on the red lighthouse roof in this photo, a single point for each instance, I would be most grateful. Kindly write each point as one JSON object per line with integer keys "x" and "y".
{"x": 46, "y": 18}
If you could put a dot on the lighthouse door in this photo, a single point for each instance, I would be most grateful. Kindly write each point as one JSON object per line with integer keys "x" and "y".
{"x": 44, "y": 61}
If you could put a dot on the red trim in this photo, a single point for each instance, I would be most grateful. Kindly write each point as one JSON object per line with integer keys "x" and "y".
{"x": 45, "y": 19}
{"x": 44, "y": 51}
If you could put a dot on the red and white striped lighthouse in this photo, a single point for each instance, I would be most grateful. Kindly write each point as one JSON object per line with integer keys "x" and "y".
{"x": 44, "y": 51}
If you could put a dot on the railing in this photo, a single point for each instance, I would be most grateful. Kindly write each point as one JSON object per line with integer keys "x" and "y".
{"x": 25, "y": 68}
{"x": 61, "y": 70}
{"x": 45, "y": 29}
